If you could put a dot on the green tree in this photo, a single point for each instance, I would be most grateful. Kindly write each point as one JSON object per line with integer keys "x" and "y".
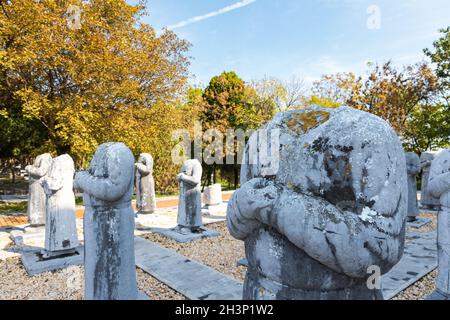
{"x": 229, "y": 103}
{"x": 90, "y": 82}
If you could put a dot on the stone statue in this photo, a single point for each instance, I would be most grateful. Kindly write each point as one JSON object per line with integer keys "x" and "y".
{"x": 60, "y": 228}
{"x": 427, "y": 201}
{"x": 439, "y": 187}
{"x": 325, "y": 210}
{"x": 190, "y": 203}
{"x": 413, "y": 169}
{"x": 36, "y": 196}
{"x": 110, "y": 271}
{"x": 145, "y": 184}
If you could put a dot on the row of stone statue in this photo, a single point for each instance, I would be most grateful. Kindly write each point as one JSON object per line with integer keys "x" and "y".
{"x": 336, "y": 207}
{"x": 109, "y": 217}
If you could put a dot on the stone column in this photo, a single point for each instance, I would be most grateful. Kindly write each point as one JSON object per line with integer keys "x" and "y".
{"x": 190, "y": 203}
{"x": 60, "y": 228}
{"x": 413, "y": 169}
{"x": 36, "y": 197}
{"x": 145, "y": 184}
{"x": 331, "y": 208}
{"x": 212, "y": 195}
{"x": 110, "y": 270}
{"x": 427, "y": 201}
{"x": 439, "y": 187}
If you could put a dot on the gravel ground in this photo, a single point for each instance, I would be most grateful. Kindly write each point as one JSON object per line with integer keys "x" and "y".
{"x": 426, "y": 285}
{"x": 220, "y": 253}
{"x": 66, "y": 284}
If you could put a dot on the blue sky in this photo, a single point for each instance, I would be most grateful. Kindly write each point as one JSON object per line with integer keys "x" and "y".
{"x": 303, "y": 38}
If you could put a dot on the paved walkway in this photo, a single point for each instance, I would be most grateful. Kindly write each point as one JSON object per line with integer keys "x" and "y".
{"x": 190, "y": 278}
{"x": 7, "y": 220}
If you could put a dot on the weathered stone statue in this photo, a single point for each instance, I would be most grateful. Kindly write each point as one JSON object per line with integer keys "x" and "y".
{"x": 145, "y": 184}
{"x": 439, "y": 187}
{"x": 331, "y": 208}
{"x": 110, "y": 271}
{"x": 190, "y": 203}
{"x": 413, "y": 169}
{"x": 36, "y": 196}
{"x": 60, "y": 228}
{"x": 427, "y": 201}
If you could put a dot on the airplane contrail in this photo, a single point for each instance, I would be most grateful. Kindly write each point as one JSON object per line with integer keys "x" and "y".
{"x": 196, "y": 19}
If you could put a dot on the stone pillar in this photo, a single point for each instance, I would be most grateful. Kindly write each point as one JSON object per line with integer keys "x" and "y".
{"x": 190, "y": 203}
{"x": 110, "y": 270}
{"x": 331, "y": 207}
{"x": 427, "y": 201}
{"x": 60, "y": 228}
{"x": 212, "y": 195}
{"x": 145, "y": 184}
{"x": 412, "y": 169}
{"x": 439, "y": 187}
{"x": 36, "y": 197}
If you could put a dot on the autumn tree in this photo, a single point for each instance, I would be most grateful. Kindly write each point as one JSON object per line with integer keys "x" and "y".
{"x": 387, "y": 92}
{"x": 283, "y": 94}
{"x": 91, "y": 80}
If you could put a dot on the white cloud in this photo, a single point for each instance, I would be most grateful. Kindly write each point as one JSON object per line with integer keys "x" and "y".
{"x": 196, "y": 19}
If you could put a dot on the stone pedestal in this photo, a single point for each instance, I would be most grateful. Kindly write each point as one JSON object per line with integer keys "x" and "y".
{"x": 212, "y": 195}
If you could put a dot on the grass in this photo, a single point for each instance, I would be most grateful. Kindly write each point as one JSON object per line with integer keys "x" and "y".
{"x": 12, "y": 207}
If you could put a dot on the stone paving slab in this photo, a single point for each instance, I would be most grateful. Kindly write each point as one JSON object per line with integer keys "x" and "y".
{"x": 35, "y": 265}
{"x": 419, "y": 259}
{"x": 418, "y": 223}
{"x": 190, "y": 278}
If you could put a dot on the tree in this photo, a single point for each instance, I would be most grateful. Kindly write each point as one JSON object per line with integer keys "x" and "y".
{"x": 387, "y": 92}
{"x": 427, "y": 128}
{"x": 441, "y": 58}
{"x": 284, "y": 95}
{"x": 90, "y": 82}
{"x": 229, "y": 103}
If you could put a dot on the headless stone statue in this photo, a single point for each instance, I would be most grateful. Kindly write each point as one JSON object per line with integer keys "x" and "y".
{"x": 110, "y": 271}
{"x": 145, "y": 184}
{"x": 190, "y": 204}
{"x": 60, "y": 228}
{"x": 427, "y": 201}
{"x": 413, "y": 169}
{"x": 36, "y": 195}
{"x": 333, "y": 205}
{"x": 439, "y": 187}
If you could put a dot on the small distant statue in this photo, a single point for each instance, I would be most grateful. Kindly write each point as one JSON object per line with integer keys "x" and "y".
{"x": 145, "y": 184}
{"x": 36, "y": 195}
{"x": 190, "y": 204}
{"x": 412, "y": 169}
{"x": 60, "y": 229}
{"x": 110, "y": 270}
{"x": 439, "y": 187}
{"x": 427, "y": 201}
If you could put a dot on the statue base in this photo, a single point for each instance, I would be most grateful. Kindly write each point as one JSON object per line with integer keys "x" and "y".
{"x": 183, "y": 235}
{"x": 36, "y": 262}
